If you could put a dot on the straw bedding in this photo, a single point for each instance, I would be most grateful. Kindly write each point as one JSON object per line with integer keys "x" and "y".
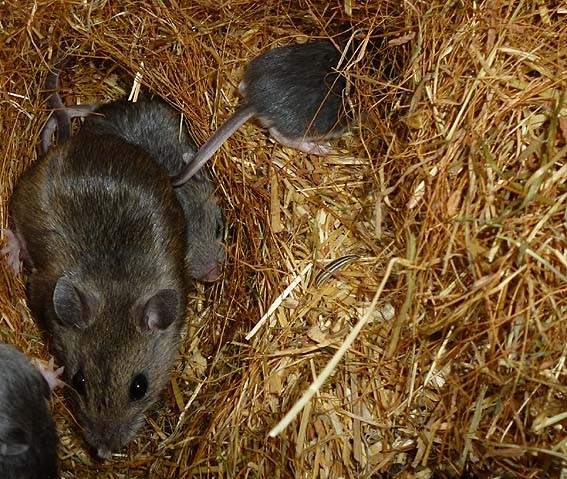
{"x": 447, "y": 206}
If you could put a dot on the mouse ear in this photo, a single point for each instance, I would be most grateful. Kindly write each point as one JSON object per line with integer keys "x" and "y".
{"x": 161, "y": 310}
{"x": 72, "y": 305}
{"x": 12, "y": 440}
{"x": 199, "y": 174}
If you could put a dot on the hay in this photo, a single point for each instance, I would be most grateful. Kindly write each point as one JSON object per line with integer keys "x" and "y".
{"x": 455, "y": 176}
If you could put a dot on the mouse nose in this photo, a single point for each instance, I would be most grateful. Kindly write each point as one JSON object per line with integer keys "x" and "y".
{"x": 103, "y": 452}
{"x": 106, "y": 436}
{"x": 213, "y": 274}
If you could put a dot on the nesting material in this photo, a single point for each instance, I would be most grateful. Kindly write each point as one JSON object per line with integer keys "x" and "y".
{"x": 449, "y": 200}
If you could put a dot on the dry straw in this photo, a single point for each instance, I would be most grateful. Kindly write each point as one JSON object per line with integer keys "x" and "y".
{"x": 454, "y": 175}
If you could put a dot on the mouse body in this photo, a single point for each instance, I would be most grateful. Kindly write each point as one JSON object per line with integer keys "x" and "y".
{"x": 28, "y": 439}
{"x": 295, "y": 92}
{"x": 102, "y": 233}
{"x": 158, "y": 129}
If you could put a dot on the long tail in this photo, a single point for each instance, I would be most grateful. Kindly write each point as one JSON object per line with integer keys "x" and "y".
{"x": 241, "y": 116}
{"x": 54, "y": 102}
{"x": 52, "y": 125}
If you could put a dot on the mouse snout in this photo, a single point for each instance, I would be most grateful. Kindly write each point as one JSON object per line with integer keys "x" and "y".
{"x": 205, "y": 263}
{"x": 212, "y": 271}
{"x": 212, "y": 275}
{"x": 111, "y": 435}
{"x": 103, "y": 452}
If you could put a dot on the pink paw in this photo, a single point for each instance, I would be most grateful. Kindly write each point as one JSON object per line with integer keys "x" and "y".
{"x": 49, "y": 373}
{"x": 313, "y": 148}
{"x": 309, "y": 146}
{"x": 12, "y": 249}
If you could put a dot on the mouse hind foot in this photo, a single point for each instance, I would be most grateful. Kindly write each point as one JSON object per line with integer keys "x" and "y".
{"x": 309, "y": 146}
{"x": 12, "y": 250}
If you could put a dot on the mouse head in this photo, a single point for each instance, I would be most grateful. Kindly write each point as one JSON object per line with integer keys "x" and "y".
{"x": 205, "y": 228}
{"x": 28, "y": 441}
{"x": 118, "y": 350}
{"x": 24, "y": 454}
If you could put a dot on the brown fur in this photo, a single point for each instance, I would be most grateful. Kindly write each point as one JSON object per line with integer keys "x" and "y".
{"x": 99, "y": 213}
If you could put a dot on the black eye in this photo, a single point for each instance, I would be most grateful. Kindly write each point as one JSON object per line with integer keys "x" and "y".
{"x": 138, "y": 387}
{"x": 80, "y": 383}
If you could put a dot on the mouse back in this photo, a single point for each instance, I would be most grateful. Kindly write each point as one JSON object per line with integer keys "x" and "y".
{"x": 28, "y": 440}
{"x": 295, "y": 89}
{"x": 100, "y": 203}
{"x": 155, "y": 127}
{"x": 150, "y": 124}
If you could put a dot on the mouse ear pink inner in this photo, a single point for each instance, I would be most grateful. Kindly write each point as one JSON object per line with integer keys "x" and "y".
{"x": 72, "y": 305}
{"x": 161, "y": 310}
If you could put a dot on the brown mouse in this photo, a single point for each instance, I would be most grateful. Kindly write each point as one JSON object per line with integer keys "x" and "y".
{"x": 103, "y": 235}
{"x": 296, "y": 92}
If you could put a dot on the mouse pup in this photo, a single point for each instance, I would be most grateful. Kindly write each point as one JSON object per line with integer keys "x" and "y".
{"x": 295, "y": 91}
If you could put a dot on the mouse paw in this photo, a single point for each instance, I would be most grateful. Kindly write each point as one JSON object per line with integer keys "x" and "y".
{"x": 313, "y": 148}
{"x": 12, "y": 249}
{"x": 310, "y": 147}
{"x": 49, "y": 373}
{"x": 187, "y": 157}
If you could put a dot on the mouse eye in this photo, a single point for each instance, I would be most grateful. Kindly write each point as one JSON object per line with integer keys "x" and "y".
{"x": 138, "y": 387}
{"x": 219, "y": 231}
{"x": 80, "y": 383}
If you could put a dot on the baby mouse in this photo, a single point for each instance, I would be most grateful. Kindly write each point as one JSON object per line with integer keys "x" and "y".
{"x": 102, "y": 233}
{"x": 295, "y": 92}
{"x": 28, "y": 440}
{"x": 155, "y": 127}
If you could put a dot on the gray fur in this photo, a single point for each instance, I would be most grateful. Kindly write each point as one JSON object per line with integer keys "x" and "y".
{"x": 28, "y": 440}
{"x": 295, "y": 92}
{"x": 295, "y": 89}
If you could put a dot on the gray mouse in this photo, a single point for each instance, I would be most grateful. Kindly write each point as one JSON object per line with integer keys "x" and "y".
{"x": 294, "y": 91}
{"x": 103, "y": 235}
{"x": 155, "y": 127}
{"x": 28, "y": 439}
